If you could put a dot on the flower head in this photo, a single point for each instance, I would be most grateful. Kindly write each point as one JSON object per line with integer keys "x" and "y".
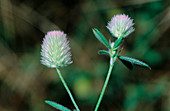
{"x": 55, "y": 50}
{"x": 121, "y": 25}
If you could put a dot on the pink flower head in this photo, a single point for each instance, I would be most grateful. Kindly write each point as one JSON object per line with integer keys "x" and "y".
{"x": 55, "y": 50}
{"x": 121, "y": 25}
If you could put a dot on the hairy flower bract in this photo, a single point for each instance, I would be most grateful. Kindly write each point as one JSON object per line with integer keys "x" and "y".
{"x": 121, "y": 26}
{"x": 55, "y": 50}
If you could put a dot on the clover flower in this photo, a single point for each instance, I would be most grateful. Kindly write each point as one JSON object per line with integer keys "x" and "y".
{"x": 55, "y": 50}
{"x": 121, "y": 26}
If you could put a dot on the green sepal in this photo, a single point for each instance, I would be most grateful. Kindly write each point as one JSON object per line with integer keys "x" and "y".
{"x": 57, "y": 106}
{"x": 134, "y": 61}
{"x": 101, "y": 38}
{"x": 103, "y": 52}
{"x": 118, "y": 42}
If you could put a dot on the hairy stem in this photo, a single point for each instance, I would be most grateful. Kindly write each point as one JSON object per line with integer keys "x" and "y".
{"x": 112, "y": 60}
{"x": 67, "y": 89}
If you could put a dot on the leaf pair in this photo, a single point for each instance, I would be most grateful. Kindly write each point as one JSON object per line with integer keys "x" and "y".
{"x": 127, "y": 61}
{"x": 101, "y": 38}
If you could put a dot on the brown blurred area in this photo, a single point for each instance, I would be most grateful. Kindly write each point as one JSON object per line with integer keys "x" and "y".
{"x": 25, "y": 83}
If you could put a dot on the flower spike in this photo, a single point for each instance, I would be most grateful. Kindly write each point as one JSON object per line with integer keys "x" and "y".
{"x": 55, "y": 50}
{"x": 121, "y": 26}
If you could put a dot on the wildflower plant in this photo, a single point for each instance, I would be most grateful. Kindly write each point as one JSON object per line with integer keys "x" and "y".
{"x": 120, "y": 27}
{"x": 55, "y": 54}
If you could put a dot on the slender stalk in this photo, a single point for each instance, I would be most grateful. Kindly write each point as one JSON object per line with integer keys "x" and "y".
{"x": 112, "y": 60}
{"x": 67, "y": 89}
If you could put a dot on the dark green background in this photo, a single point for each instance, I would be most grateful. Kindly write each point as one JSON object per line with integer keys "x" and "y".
{"x": 25, "y": 83}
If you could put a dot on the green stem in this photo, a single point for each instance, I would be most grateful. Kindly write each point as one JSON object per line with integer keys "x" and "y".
{"x": 112, "y": 60}
{"x": 67, "y": 89}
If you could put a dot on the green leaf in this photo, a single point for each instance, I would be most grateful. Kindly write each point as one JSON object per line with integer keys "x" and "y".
{"x": 118, "y": 42}
{"x": 127, "y": 64}
{"x": 134, "y": 61}
{"x": 57, "y": 106}
{"x": 103, "y": 52}
{"x": 101, "y": 38}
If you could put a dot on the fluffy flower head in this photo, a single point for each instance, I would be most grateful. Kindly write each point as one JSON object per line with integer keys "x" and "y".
{"x": 55, "y": 50}
{"x": 121, "y": 25}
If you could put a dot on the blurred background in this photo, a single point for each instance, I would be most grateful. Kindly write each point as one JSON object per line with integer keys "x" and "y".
{"x": 25, "y": 83}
